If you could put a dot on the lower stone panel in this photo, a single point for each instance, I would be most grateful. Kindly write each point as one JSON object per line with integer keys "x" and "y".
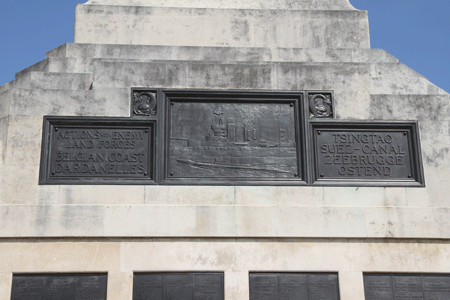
{"x": 120, "y": 259}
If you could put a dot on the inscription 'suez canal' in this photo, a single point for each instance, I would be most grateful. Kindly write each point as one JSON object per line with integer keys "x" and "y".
{"x": 363, "y": 154}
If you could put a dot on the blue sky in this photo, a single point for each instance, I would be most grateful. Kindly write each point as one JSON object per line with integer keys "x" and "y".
{"x": 417, "y": 32}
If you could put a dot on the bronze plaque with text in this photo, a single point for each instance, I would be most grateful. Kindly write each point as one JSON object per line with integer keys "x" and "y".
{"x": 178, "y": 286}
{"x": 366, "y": 153}
{"x": 305, "y": 286}
{"x": 406, "y": 286}
{"x": 57, "y": 287}
{"x": 97, "y": 151}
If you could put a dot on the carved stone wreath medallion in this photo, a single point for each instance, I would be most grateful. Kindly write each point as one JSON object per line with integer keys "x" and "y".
{"x": 320, "y": 106}
{"x": 144, "y": 104}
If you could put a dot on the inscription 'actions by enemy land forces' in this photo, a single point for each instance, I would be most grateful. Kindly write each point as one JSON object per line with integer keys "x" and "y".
{"x": 352, "y": 154}
{"x": 99, "y": 152}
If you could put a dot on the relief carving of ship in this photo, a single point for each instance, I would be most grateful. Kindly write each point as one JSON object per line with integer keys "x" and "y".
{"x": 238, "y": 146}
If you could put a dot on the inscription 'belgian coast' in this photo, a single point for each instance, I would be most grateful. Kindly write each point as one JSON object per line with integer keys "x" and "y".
{"x": 366, "y": 152}
{"x": 98, "y": 150}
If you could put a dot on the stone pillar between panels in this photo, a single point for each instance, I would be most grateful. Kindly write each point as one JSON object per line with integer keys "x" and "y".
{"x": 236, "y": 285}
{"x": 120, "y": 286}
{"x": 351, "y": 285}
{"x": 5, "y": 286}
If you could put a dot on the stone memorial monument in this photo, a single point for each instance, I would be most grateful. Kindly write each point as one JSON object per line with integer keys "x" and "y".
{"x": 223, "y": 150}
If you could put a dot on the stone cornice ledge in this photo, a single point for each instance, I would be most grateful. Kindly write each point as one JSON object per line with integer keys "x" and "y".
{"x": 236, "y": 4}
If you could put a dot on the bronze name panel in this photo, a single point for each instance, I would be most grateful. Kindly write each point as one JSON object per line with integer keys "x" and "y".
{"x": 235, "y": 138}
{"x": 306, "y": 286}
{"x": 178, "y": 286}
{"x": 57, "y": 287}
{"x": 366, "y": 153}
{"x": 406, "y": 286}
{"x": 79, "y": 150}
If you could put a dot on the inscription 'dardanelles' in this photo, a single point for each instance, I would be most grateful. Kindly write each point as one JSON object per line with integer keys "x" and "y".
{"x": 99, "y": 152}
{"x": 352, "y": 154}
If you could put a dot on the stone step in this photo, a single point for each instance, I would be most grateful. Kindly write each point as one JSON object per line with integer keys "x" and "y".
{"x": 230, "y": 75}
{"x": 51, "y": 81}
{"x": 392, "y": 70}
{"x": 78, "y": 58}
{"x": 80, "y": 73}
{"x": 260, "y": 54}
{"x": 7, "y": 86}
{"x": 41, "y": 102}
{"x": 426, "y": 108}
{"x": 394, "y": 78}
{"x": 404, "y": 86}
{"x": 41, "y": 66}
{"x": 5, "y": 100}
{"x": 175, "y": 26}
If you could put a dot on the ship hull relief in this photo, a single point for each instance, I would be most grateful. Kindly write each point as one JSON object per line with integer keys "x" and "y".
{"x": 230, "y": 140}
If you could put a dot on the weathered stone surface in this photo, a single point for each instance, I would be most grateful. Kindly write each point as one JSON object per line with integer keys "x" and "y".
{"x": 19, "y": 186}
{"x": 23, "y": 146}
{"x": 410, "y": 107}
{"x": 113, "y": 74}
{"x": 95, "y": 195}
{"x": 70, "y": 65}
{"x": 251, "y": 4}
{"x": 40, "y": 102}
{"x": 54, "y": 81}
{"x": 108, "y": 24}
{"x": 5, "y": 102}
{"x": 5, "y": 285}
{"x": 403, "y": 86}
{"x": 41, "y": 66}
{"x": 279, "y": 196}
{"x": 231, "y": 76}
{"x": 300, "y": 76}
{"x": 189, "y": 195}
{"x": 222, "y": 53}
{"x": 220, "y": 221}
{"x": 351, "y": 105}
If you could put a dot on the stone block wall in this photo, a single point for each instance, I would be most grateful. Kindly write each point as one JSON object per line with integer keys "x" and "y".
{"x": 231, "y": 229}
